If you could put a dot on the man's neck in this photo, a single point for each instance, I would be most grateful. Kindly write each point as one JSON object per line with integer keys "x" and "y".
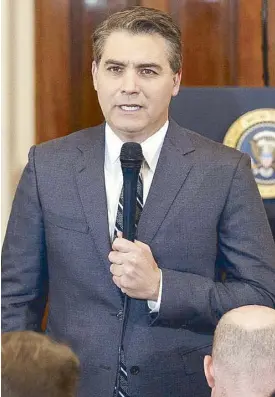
{"x": 139, "y": 136}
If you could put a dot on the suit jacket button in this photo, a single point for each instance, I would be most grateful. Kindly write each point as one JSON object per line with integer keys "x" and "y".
{"x": 120, "y": 314}
{"x": 134, "y": 370}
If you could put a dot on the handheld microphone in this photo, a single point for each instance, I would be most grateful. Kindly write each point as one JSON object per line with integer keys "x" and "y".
{"x": 131, "y": 158}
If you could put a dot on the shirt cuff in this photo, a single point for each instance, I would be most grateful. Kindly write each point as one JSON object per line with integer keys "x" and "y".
{"x": 155, "y": 305}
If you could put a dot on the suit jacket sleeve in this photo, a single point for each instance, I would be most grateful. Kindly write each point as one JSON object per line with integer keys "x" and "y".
{"x": 245, "y": 253}
{"x": 24, "y": 267}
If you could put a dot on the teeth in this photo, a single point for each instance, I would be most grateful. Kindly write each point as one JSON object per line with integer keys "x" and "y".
{"x": 129, "y": 108}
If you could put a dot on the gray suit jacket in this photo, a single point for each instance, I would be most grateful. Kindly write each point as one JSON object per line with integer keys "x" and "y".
{"x": 203, "y": 216}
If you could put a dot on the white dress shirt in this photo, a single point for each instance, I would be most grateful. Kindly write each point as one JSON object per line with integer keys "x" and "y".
{"x": 151, "y": 148}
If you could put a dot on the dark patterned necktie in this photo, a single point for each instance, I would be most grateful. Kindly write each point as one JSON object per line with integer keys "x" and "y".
{"x": 139, "y": 206}
{"x": 123, "y": 383}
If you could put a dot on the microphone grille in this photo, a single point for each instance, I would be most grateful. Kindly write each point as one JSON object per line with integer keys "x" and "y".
{"x": 131, "y": 151}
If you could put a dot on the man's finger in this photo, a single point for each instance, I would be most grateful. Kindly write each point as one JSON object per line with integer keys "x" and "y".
{"x": 116, "y": 280}
{"x": 116, "y": 270}
{"x": 122, "y": 245}
{"x": 142, "y": 245}
{"x": 115, "y": 257}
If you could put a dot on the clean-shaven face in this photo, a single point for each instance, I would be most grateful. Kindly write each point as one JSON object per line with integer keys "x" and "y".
{"x": 135, "y": 83}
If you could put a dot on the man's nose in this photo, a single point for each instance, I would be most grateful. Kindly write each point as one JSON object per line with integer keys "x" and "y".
{"x": 129, "y": 83}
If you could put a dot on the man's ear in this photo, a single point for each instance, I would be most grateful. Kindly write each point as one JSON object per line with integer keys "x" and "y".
{"x": 94, "y": 74}
{"x": 177, "y": 80}
{"x": 209, "y": 371}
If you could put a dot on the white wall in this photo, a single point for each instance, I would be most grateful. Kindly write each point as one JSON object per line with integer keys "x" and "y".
{"x": 18, "y": 96}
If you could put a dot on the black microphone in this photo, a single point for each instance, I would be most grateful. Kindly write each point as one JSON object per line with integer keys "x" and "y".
{"x": 131, "y": 158}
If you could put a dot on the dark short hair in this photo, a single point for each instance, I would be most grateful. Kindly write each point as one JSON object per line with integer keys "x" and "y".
{"x": 141, "y": 20}
{"x": 33, "y": 365}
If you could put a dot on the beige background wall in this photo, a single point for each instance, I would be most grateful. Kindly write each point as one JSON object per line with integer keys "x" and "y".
{"x": 18, "y": 112}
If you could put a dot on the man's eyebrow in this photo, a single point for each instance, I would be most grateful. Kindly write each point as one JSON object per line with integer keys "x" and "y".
{"x": 137, "y": 66}
{"x": 114, "y": 62}
{"x": 149, "y": 65}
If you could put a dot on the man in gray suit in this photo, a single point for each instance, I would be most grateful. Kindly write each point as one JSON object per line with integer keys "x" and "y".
{"x": 203, "y": 242}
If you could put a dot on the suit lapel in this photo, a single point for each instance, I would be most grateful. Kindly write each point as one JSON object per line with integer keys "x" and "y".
{"x": 174, "y": 165}
{"x": 91, "y": 186}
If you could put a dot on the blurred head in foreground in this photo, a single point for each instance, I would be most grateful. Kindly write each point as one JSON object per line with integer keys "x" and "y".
{"x": 35, "y": 366}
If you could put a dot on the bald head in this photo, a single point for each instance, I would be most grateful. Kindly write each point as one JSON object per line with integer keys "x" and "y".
{"x": 244, "y": 352}
{"x": 249, "y": 318}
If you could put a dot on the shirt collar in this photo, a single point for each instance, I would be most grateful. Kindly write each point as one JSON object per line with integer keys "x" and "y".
{"x": 151, "y": 147}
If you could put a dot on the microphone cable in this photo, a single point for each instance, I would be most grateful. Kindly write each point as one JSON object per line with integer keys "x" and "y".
{"x": 121, "y": 338}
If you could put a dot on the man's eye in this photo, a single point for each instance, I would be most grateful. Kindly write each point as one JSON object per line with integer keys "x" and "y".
{"x": 114, "y": 69}
{"x": 148, "y": 72}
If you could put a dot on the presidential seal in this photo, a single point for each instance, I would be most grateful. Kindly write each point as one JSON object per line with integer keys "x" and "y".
{"x": 254, "y": 134}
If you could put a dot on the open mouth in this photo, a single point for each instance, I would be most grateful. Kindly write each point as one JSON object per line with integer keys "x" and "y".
{"x": 130, "y": 108}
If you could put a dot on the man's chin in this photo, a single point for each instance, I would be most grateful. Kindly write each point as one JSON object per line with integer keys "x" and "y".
{"x": 129, "y": 128}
